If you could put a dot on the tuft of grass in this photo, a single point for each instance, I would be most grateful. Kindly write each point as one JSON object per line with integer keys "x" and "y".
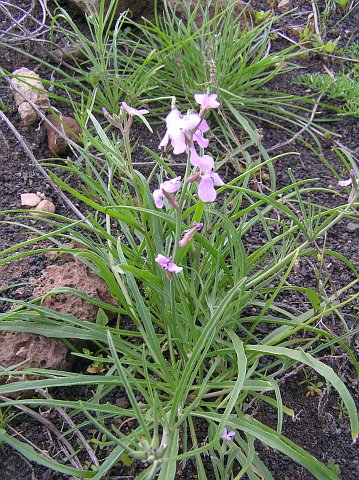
{"x": 228, "y": 54}
{"x": 342, "y": 86}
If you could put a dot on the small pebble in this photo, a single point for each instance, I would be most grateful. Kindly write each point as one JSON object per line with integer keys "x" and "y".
{"x": 352, "y": 227}
{"x": 43, "y": 206}
{"x": 30, "y": 200}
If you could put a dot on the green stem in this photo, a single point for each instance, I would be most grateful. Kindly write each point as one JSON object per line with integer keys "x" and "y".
{"x": 178, "y": 231}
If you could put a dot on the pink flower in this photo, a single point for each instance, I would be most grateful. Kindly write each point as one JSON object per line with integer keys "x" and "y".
{"x": 353, "y": 181}
{"x": 205, "y": 163}
{"x": 190, "y": 233}
{"x": 207, "y": 101}
{"x": 165, "y": 190}
{"x": 183, "y": 130}
{"x": 346, "y": 183}
{"x": 133, "y": 111}
{"x": 209, "y": 179}
{"x": 206, "y": 190}
{"x": 166, "y": 264}
{"x": 228, "y": 436}
{"x": 198, "y": 137}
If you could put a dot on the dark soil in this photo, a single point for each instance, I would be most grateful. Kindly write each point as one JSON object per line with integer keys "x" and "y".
{"x": 320, "y": 427}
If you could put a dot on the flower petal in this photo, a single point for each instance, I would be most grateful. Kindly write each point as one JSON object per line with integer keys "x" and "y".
{"x": 134, "y": 111}
{"x": 203, "y": 126}
{"x": 164, "y": 141}
{"x": 171, "y": 186}
{"x": 206, "y": 164}
{"x": 157, "y": 196}
{"x": 217, "y": 179}
{"x": 178, "y": 140}
{"x": 206, "y": 191}
{"x": 129, "y": 110}
{"x": 191, "y": 122}
{"x": 194, "y": 157}
{"x": 162, "y": 260}
{"x": 172, "y": 267}
{"x": 207, "y": 101}
{"x": 345, "y": 183}
{"x": 202, "y": 142}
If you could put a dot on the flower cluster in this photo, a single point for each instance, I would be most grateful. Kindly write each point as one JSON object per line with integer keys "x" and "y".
{"x": 184, "y": 132}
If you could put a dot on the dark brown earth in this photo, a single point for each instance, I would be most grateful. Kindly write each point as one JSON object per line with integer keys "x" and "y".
{"x": 319, "y": 427}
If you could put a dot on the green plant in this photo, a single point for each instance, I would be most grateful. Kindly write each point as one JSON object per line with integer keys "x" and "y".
{"x": 342, "y": 3}
{"x": 184, "y": 339}
{"x": 343, "y": 86}
{"x": 334, "y": 466}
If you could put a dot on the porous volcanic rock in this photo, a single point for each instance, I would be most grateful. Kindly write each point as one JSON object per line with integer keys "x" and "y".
{"x": 72, "y": 273}
{"x": 37, "y": 350}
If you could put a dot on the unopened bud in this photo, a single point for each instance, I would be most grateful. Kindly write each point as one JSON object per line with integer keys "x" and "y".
{"x": 194, "y": 178}
{"x": 170, "y": 199}
{"x": 190, "y": 233}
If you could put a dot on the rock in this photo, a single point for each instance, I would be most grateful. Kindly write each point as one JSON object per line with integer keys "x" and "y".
{"x": 34, "y": 90}
{"x": 70, "y": 129}
{"x": 135, "y": 6}
{"x": 30, "y": 200}
{"x": 72, "y": 273}
{"x": 123, "y": 402}
{"x": 68, "y": 53}
{"x": 43, "y": 206}
{"x": 36, "y": 350}
{"x": 294, "y": 32}
{"x": 352, "y": 227}
{"x": 284, "y": 6}
{"x": 239, "y": 7}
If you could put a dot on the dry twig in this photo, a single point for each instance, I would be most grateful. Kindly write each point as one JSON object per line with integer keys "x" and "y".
{"x": 16, "y": 17}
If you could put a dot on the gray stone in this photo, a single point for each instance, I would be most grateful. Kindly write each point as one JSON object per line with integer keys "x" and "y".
{"x": 30, "y": 200}
{"x": 28, "y": 83}
{"x": 352, "y": 227}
